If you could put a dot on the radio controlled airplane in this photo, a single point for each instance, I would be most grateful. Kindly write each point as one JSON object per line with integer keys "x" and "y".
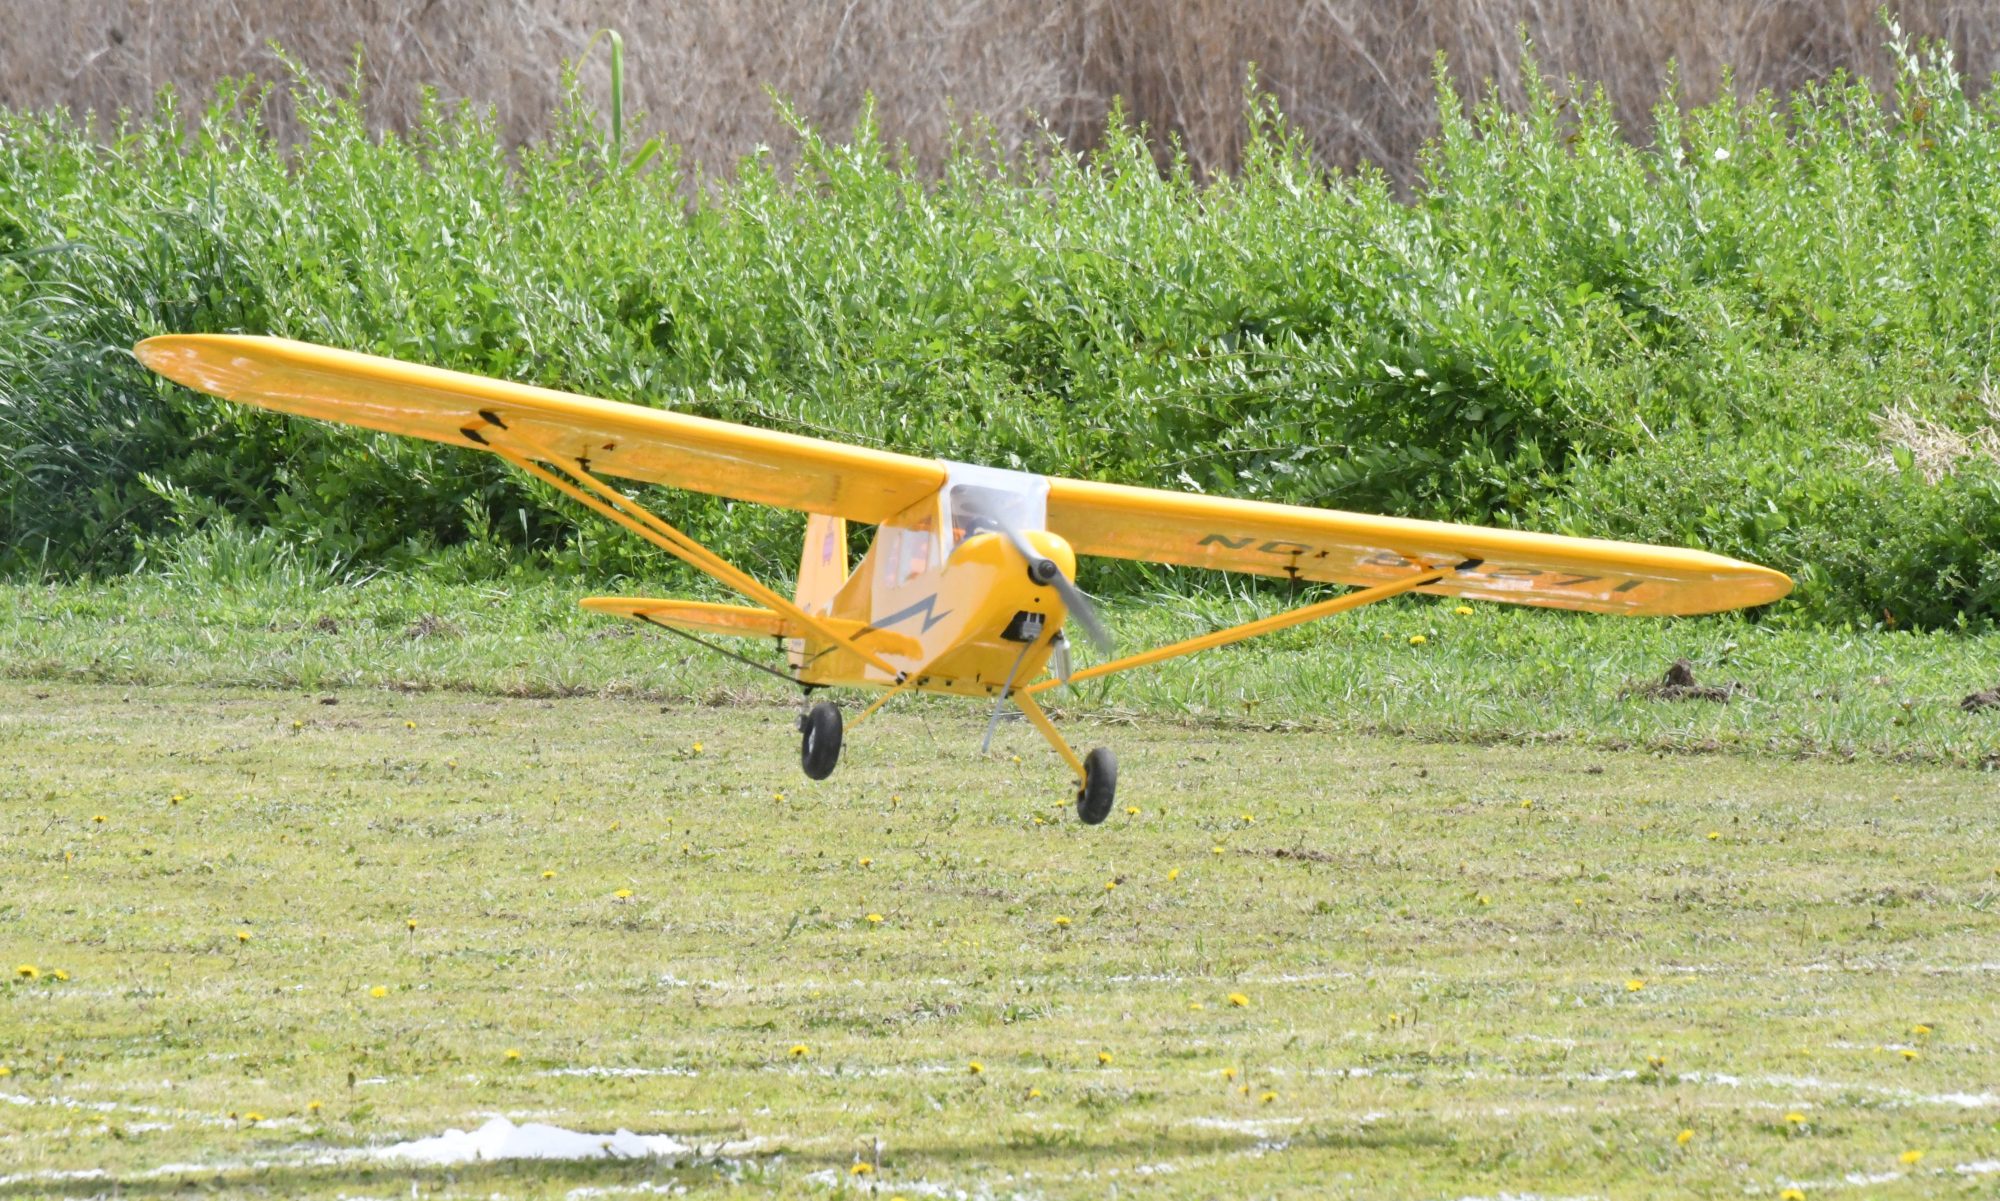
{"x": 969, "y": 581}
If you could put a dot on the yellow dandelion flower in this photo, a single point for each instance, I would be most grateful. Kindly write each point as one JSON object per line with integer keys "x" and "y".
{"x": 1656, "y": 1062}
{"x": 1131, "y": 811}
{"x": 5, "y": 1071}
{"x": 28, "y": 971}
{"x": 1714, "y": 834}
{"x": 1418, "y": 640}
{"x": 1792, "y": 1194}
{"x": 1484, "y": 899}
{"x": 1920, "y": 1030}
{"x": 175, "y": 799}
{"x": 1173, "y": 873}
{"x": 1104, "y": 1057}
{"x": 1110, "y": 884}
{"x": 1684, "y": 1138}
{"x": 874, "y": 919}
{"x": 100, "y": 819}
{"x": 1634, "y": 985}
{"x": 409, "y": 725}
{"x": 975, "y": 1067}
{"x": 548, "y": 874}
{"x": 1040, "y": 822}
{"x": 1911, "y": 1157}
{"x": 623, "y": 894}
{"x": 777, "y": 796}
{"x": 1196, "y": 1006}
{"x": 1577, "y": 901}
{"x": 1268, "y": 1097}
{"x": 1239, "y": 1000}
{"x": 253, "y": 1117}
{"x": 1034, "y": 1094}
{"x": 1527, "y": 804}
{"x": 410, "y": 922}
{"x": 862, "y": 1169}
{"x": 60, "y": 974}
{"x": 1016, "y": 758}
{"x": 800, "y": 1051}
{"x": 312, "y": 1107}
{"x": 1908, "y": 1055}
{"x": 378, "y": 992}
{"x": 865, "y": 861}
{"x": 1215, "y": 850}
{"x": 1062, "y": 921}
{"x": 1795, "y": 1118}
{"x": 696, "y": 748}
{"x": 1463, "y": 610}
{"x": 1246, "y": 819}
{"x": 242, "y": 936}
{"x": 511, "y": 1054}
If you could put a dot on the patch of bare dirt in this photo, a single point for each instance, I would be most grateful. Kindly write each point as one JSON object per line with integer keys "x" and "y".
{"x": 1679, "y": 684}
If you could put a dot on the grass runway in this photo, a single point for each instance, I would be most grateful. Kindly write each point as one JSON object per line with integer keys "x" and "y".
{"x": 373, "y": 916}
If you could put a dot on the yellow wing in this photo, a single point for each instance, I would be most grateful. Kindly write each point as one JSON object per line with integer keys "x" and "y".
{"x": 608, "y": 438}
{"x": 1355, "y": 548}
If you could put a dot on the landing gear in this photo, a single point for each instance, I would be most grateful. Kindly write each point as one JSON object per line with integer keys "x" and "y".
{"x": 819, "y": 746}
{"x": 1100, "y": 786}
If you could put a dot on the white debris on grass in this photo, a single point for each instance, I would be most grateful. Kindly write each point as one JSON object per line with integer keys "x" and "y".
{"x": 502, "y": 1139}
{"x": 601, "y": 1071}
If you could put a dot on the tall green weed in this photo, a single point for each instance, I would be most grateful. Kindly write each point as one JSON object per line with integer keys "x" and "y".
{"x": 1684, "y": 339}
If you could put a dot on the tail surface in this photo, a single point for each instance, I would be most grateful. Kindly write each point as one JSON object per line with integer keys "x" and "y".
{"x": 823, "y": 565}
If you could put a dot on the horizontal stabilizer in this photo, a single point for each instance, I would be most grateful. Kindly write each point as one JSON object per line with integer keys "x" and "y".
{"x": 703, "y": 617}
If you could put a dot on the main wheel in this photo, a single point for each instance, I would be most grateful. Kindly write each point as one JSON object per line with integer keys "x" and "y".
{"x": 1100, "y": 786}
{"x": 819, "y": 749}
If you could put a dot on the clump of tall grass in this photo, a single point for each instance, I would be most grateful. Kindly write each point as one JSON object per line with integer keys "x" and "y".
{"x": 1688, "y": 337}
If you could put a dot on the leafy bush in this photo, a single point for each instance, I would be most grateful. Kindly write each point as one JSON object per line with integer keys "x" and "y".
{"x": 1687, "y": 340}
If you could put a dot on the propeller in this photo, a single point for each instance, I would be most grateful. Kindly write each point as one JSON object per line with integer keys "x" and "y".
{"x": 1043, "y": 570}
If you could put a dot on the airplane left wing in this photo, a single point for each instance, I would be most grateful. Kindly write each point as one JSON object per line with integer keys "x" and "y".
{"x": 604, "y": 437}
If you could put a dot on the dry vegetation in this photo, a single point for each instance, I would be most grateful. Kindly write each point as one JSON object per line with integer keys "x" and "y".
{"x": 1353, "y": 75}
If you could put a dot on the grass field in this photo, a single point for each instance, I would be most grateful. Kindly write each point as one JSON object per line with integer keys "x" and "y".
{"x": 366, "y": 916}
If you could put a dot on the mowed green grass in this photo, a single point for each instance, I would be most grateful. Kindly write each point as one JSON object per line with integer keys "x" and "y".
{"x": 1468, "y": 970}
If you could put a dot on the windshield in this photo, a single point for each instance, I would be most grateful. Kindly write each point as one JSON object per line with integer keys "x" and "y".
{"x": 983, "y": 499}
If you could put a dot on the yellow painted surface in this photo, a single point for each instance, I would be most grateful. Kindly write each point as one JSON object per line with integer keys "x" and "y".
{"x": 627, "y": 440}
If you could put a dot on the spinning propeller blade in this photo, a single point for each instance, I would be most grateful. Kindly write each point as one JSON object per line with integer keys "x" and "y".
{"x": 1073, "y": 598}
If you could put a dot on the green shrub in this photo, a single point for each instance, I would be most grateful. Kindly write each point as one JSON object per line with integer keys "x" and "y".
{"x": 1687, "y": 340}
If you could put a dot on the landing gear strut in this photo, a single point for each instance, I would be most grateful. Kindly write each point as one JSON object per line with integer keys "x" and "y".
{"x": 1100, "y": 786}
{"x": 819, "y": 744}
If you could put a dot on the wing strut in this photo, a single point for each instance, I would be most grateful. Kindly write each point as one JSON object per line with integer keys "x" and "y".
{"x": 1250, "y": 629}
{"x": 611, "y": 503}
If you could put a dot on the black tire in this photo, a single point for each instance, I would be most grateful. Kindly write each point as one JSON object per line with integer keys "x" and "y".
{"x": 819, "y": 748}
{"x": 1100, "y": 786}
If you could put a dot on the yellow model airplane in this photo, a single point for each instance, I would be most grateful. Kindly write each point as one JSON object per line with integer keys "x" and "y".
{"x": 968, "y": 583}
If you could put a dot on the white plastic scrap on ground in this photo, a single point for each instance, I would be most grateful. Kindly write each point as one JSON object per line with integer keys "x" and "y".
{"x": 502, "y": 1139}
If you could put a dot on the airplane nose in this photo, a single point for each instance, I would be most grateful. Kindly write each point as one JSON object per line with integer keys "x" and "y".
{"x": 1043, "y": 572}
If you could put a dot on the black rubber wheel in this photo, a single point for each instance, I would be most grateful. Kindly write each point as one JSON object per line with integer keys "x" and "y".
{"x": 1100, "y": 786}
{"x": 819, "y": 749}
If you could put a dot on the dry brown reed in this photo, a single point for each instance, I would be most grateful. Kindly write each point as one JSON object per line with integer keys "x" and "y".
{"x": 1353, "y": 75}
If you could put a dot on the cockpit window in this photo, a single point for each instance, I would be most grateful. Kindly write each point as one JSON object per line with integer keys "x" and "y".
{"x": 976, "y": 509}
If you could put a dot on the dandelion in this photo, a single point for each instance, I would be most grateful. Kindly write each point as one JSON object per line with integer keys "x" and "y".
{"x": 1656, "y": 1062}
{"x": 242, "y": 936}
{"x": 1714, "y": 834}
{"x": 1527, "y": 804}
{"x": 60, "y": 974}
{"x": 865, "y": 861}
{"x": 1215, "y": 850}
{"x": 1418, "y": 640}
{"x": 778, "y": 796}
{"x": 1034, "y": 1094}
{"x": 862, "y": 1169}
{"x": 1795, "y": 1118}
{"x": 623, "y": 894}
{"x": 1131, "y": 811}
{"x": 409, "y": 725}
{"x": 1229, "y": 1073}
{"x": 28, "y": 971}
{"x": 297, "y": 725}
{"x": 1062, "y": 921}
{"x": 874, "y": 919}
{"x": 5, "y": 1071}
{"x": 800, "y": 1051}
{"x": 1911, "y": 1158}
{"x": 1484, "y": 899}
{"x": 696, "y": 748}
{"x": 1104, "y": 1058}
{"x": 1267, "y": 1098}
{"x": 1173, "y": 873}
{"x": 548, "y": 874}
{"x": 1196, "y": 1006}
{"x": 1110, "y": 884}
{"x": 1684, "y": 1138}
{"x": 1792, "y": 1194}
{"x": 175, "y": 799}
{"x": 975, "y": 1067}
{"x": 378, "y": 992}
{"x": 1246, "y": 819}
{"x": 511, "y": 1054}
{"x": 100, "y": 819}
{"x": 411, "y": 924}
{"x": 253, "y": 1117}
{"x": 1909, "y": 1055}
{"x": 1577, "y": 901}
{"x": 1239, "y": 1000}
{"x": 1634, "y": 985}
{"x": 1463, "y": 610}
{"x": 312, "y": 1107}
{"x": 1920, "y": 1030}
